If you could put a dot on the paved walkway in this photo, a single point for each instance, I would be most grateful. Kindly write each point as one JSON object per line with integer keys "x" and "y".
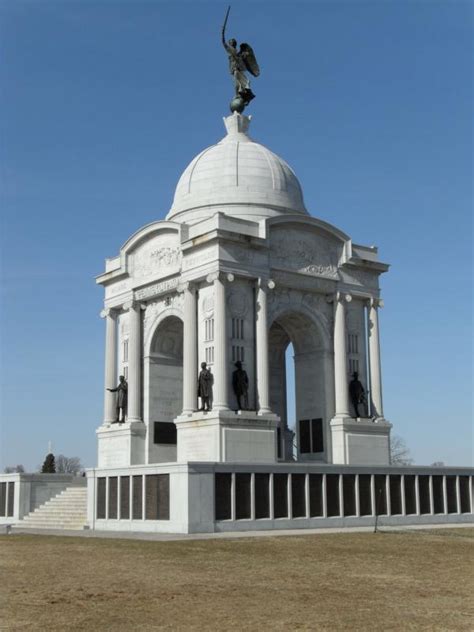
{"x": 169, "y": 537}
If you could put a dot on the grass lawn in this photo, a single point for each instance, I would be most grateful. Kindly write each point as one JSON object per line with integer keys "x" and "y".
{"x": 413, "y": 580}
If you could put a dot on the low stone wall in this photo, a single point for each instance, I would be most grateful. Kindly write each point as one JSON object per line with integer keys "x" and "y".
{"x": 212, "y": 497}
{"x": 22, "y": 493}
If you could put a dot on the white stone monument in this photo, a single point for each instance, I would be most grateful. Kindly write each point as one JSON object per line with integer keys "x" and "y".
{"x": 237, "y": 272}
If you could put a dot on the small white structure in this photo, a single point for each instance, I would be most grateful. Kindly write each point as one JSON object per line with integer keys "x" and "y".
{"x": 238, "y": 270}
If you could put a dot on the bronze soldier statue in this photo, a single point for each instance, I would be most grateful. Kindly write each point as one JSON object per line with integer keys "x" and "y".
{"x": 205, "y": 382}
{"x": 240, "y": 382}
{"x": 122, "y": 399}
{"x": 356, "y": 393}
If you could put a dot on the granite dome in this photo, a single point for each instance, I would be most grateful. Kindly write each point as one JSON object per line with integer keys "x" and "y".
{"x": 238, "y": 177}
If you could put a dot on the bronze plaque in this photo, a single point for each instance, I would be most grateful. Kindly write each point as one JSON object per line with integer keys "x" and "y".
{"x": 124, "y": 497}
{"x": 298, "y": 495}
{"x": 315, "y": 495}
{"x": 223, "y": 489}
{"x": 365, "y": 496}
{"x": 262, "y": 496}
{"x": 101, "y": 482}
{"x": 242, "y": 496}
{"x": 280, "y": 495}
{"x": 137, "y": 498}
{"x": 113, "y": 497}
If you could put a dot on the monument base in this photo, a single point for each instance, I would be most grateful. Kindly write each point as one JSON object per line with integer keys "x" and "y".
{"x": 360, "y": 441}
{"x": 227, "y": 436}
{"x": 122, "y": 444}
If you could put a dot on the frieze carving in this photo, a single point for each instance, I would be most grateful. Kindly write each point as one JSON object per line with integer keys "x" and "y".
{"x": 155, "y": 258}
{"x": 311, "y": 253}
{"x": 156, "y": 289}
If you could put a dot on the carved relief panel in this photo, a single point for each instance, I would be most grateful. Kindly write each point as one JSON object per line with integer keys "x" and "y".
{"x": 157, "y": 257}
{"x": 305, "y": 251}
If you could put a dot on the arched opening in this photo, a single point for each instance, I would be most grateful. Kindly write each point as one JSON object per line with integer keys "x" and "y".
{"x": 164, "y": 384}
{"x": 300, "y": 386}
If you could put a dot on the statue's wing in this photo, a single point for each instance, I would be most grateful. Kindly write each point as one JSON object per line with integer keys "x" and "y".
{"x": 248, "y": 57}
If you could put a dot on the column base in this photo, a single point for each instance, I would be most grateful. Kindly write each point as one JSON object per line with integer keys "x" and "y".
{"x": 227, "y": 436}
{"x": 121, "y": 444}
{"x": 360, "y": 441}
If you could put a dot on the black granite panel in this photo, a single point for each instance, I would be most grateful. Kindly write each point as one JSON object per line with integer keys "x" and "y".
{"x": 3, "y": 499}
{"x": 410, "y": 494}
{"x": 262, "y": 496}
{"x": 280, "y": 495}
{"x": 317, "y": 435}
{"x": 101, "y": 483}
{"x": 348, "y": 489}
{"x": 124, "y": 497}
{"x": 165, "y": 432}
{"x": 365, "y": 495}
{"x": 464, "y": 493}
{"x": 223, "y": 491}
{"x": 137, "y": 497}
{"x": 332, "y": 495}
{"x": 163, "y": 496}
{"x": 305, "y": 436}
{"x": 279, "y": 442}
{"x": 438, "y": 497}
{"x": 242, "y": 496}
{"x": 113, "y": 497}
{"x": 151, "y": 497}
{"x": 380, "y": 481}
{"x": 451, "y": 494}
{"x": 298, "y": 495}
{"x": 315, "y": 495}
{"x": 424, "y": 494}
{"x": 395, "y": 494}
{"x": 11, "y": 499}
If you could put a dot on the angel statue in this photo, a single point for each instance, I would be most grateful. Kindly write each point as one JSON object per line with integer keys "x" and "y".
{"x": 240, "y": 62}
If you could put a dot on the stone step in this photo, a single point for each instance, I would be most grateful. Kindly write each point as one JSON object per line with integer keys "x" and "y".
{"x": 67, "y": 510}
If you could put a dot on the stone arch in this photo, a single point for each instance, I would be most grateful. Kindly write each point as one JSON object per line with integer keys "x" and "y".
{"x": 313, "y": 364}
{"x": 163, "y": 380}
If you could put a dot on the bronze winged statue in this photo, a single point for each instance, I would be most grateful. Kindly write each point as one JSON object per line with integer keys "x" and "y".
{"x": 240, "y": 62}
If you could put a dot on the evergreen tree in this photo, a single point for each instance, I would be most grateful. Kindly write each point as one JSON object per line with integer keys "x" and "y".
{"x": 49, "y": 465}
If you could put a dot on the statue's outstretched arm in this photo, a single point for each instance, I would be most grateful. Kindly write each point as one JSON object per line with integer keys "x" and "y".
{"x": 223, "y": 27}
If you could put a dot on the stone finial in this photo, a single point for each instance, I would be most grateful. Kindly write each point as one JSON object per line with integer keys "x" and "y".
{"x": 237, "y": 124}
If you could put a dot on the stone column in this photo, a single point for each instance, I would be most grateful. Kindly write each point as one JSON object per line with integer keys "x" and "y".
{"x": 190, "y": 359}
{"x": 110, "y": 363}
{"x": 340, "y": 355}
{"x": 374, "y": 359}
{"x": 263, "y": 381}
{"x": 134, "y": 362}
{"x": 221, "y": 400}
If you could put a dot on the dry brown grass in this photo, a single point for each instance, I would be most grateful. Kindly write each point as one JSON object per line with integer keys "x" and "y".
{"x": 389, "y": 581}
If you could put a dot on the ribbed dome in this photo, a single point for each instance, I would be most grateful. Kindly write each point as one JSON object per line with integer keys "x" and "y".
{"x": 238, "y": 177}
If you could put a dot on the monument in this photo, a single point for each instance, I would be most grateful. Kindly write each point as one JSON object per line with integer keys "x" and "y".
{"x": 199, "y": 311}
{"x": 236, "y": 272}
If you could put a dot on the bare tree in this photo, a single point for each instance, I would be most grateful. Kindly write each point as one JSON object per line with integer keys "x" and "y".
{"x": 399, "y": 451}
{"x": 14, "y": 469}
{"x": 68, "y": 464}
{"x": 438, "y": 464}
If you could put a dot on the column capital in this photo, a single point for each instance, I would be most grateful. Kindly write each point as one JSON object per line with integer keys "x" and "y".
{"x": 108, "y": 311}
{"x": 186, "y": 286}
{"x": 375, "y": 303}
{"x": 265, "y": 283}
{"x": 343, "y": 297}
{"x": 132, "y": 304}
{"x": 218, "y": 275}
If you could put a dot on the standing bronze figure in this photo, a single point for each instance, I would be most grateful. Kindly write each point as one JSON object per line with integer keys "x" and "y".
{"x": 122, "y": 399}
{"x": 205, "y": 382}
{"x": 240, "y": 62}
{"x": 240, "y": 382}
{"x": 356, "y": 393}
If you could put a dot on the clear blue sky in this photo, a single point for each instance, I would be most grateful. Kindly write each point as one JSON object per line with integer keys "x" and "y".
{"x": 104, "y": 104}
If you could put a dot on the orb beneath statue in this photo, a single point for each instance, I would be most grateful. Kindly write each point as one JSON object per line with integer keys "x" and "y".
{"x": 237, "y": 105}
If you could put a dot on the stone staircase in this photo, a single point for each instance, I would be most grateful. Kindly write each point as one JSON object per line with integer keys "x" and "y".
{"x": 67, "y": 510}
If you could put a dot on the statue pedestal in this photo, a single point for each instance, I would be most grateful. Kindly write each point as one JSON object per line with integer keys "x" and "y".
{"x": 360, "y": 441}
{"x": 121, "y": 445}
{"x": 226, "y": 436}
